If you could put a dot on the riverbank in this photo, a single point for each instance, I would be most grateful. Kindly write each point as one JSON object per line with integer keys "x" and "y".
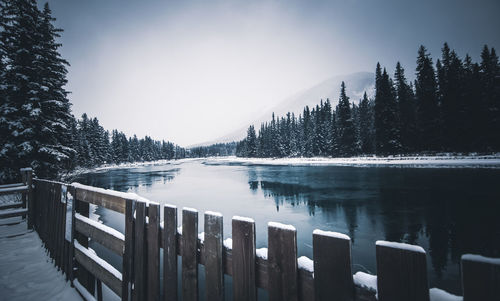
{"x": 83, "y": 170}
{"x": 438, "y": 161}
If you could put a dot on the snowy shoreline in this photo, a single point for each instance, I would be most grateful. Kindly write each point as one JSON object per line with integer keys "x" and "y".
{"x": 105, "y": 167}
{"x": 439, "y": 161}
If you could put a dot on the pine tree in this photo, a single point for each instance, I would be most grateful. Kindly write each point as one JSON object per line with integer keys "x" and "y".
{"x": 427, "y": 103}
{"x": 251, "y": 142}
{"x": 386, "y": 115}
{"x": 490, "y": 98}
{"x": 366, "y": 126}
{"x": 345, "y": 125}
{"x": 451, "y": 97}
{"x": 407, "y": 110}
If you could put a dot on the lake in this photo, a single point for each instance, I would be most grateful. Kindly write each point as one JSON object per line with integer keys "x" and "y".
{"x": 449, "y": 212}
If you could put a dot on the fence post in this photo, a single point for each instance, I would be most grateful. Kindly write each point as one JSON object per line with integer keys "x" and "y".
{"x": 27, "y": 197}
{"x": 189, "y": 253}
{"x": 214, "y": 270}
{"x": 138, "y": 292}
{"x": 244, "y": 287}
{"x": 282, "y": 262}
{"x": 128, "y": 252}
{"x": 169, "y": 253}
{"x": 71, "y": 251}
{"x": 480, "y": 278}
{"x": 332, "y": 266}
{"x": 401, "y": 272}
{"x": 153, "y": 235}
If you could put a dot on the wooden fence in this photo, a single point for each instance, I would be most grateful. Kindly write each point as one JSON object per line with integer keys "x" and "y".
{"x": 61, "y": 216}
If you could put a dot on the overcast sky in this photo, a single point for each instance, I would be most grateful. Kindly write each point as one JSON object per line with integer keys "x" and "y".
{"x": 192, "y": 71}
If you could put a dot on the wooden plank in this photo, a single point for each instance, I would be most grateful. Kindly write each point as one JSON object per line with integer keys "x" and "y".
{"x": 189, "y": 253}
{"x": 99, "y": 270}
{"x": 11, "y": 185}
{"x": 332, "y": 266}
{"x": 105, "y": 200}
{"x": 401, "y": 272}
{"x": 153, "y": 269}
{"x": 11, "y": 206}
{"x": 139, "y": 292}
{"x": 480, "y": 278}
{"x": 13, "y": 190}
{"x": 282, "y": 262}
{"x": 214, "y": 270}
{"x": 127, "y": 263}
{"x": 13, "y": 213}
{"x": 85, "y": 226}
{"x": 169, "y": 243}
{"x": 243, "y": 259}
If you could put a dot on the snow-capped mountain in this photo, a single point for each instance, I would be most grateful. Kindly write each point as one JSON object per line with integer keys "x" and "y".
{"x": 356, "y": 85}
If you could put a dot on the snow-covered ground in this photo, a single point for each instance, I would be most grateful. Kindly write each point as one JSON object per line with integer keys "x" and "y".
{"x": 105, "y": 167}
{"x": 26, "y": 271}
{"x": 441, "y": 161}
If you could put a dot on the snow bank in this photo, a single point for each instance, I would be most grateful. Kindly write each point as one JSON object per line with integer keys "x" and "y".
{"x": 331, "y": 234}
{"x": 201, "y": 237}
{"x": 106, "y": 167}
{"x": 437, "y": 294}
{"x": 399, "y": 245}
{"x": 441, "y": 161}
{"x": 305, "y": 263}
{"x": 366, "y": 281}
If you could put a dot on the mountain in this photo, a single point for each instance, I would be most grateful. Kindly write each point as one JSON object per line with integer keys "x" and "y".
{"x": 356, "y": 85}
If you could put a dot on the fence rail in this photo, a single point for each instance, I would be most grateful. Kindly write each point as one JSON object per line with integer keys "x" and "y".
{"x": 60, "y": 214}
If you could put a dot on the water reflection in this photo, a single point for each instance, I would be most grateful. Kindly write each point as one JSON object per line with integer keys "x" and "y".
{"x": 125, "y": 179}
{"x": 450, "y": 212}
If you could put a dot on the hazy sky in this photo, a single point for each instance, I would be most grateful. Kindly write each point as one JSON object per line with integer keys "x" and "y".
{"x": 192, "y": 71}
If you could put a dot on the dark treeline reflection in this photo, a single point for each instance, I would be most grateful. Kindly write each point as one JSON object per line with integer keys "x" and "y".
{"x": 454, "y": 210}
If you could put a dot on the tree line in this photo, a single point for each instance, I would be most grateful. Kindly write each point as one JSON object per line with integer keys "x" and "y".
{"x": 214, "y": 150}
{"x": 95, "y": 146}
{"x": 37, "y": 127}
{"x": 452, "y": 106}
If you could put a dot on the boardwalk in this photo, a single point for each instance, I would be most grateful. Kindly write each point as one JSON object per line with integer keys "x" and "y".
{"x": 26, "y": 271}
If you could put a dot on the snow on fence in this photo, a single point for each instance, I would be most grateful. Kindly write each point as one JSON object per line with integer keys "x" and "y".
{"x": 401, "y": 268}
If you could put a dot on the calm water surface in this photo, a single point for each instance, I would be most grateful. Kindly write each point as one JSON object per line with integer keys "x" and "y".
{"x": 448, "y": 212}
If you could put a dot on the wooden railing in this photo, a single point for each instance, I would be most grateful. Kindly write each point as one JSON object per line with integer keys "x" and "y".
{"x": 402, "y": 273}
{"x": 13, "y": 209}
